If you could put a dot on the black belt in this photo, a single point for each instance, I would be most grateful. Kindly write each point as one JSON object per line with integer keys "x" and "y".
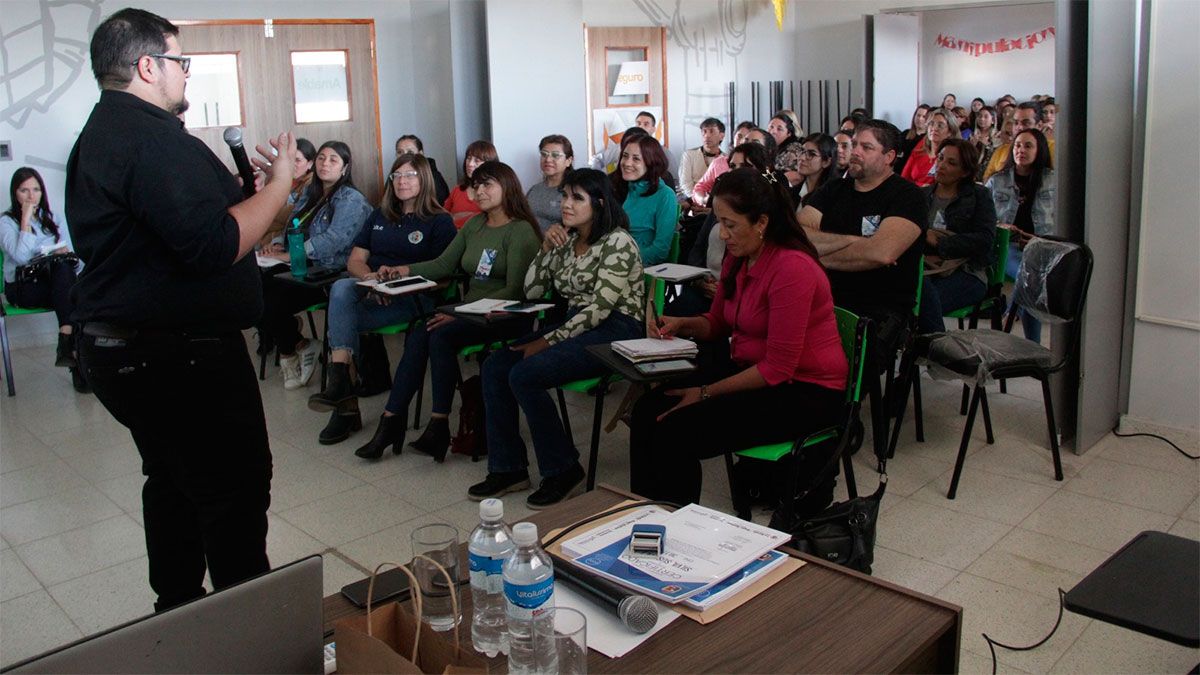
{"x": 100, "y": 329}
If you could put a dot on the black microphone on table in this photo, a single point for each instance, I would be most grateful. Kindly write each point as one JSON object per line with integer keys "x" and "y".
{"x": 637, "y": 612}
{"x": 233, "y": 137}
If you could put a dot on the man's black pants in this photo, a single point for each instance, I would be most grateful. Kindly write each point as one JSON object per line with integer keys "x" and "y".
{"x": 193, "y": 407}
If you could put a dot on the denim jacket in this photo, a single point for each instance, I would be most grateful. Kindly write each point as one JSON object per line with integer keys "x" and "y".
{"x": 332, "y": 229}
{"x": 1004, "y": 192}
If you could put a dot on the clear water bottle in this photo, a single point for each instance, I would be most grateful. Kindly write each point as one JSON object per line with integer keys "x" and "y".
{"x": 296, "y": 252}
{"x": 528, "y": 593}
{"x": 489, "y": 546}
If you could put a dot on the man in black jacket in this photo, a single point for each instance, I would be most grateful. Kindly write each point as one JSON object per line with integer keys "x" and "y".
{"x": 168, "y": 287}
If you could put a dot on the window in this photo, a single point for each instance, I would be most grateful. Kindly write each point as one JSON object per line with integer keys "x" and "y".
{"x": 320, "y": 83}
{"x": 214, "y": 91}
{"x": 627, "y": 74}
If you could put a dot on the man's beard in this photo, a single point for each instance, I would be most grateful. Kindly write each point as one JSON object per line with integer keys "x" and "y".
{"x": 180, "y": 107}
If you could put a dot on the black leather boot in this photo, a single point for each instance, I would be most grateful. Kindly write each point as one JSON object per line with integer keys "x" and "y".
{"x": 338, "y": 392}
{"x": 435, "y": 440}
{"x": 389, "y": 432}
{"x": 341, "y": 425}
{"x": 64, "y": 356}
{"x": 79, "y": 381}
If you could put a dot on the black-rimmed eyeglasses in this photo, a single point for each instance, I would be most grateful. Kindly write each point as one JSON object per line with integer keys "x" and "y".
{"x": 185, "y": 62}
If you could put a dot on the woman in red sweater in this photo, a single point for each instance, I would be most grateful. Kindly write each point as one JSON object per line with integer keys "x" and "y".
{"x": 788, "y": 370}
{"x": 922, "y": 163}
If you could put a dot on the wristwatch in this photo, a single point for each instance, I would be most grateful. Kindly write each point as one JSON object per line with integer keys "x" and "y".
{"x": 704, "y": 392}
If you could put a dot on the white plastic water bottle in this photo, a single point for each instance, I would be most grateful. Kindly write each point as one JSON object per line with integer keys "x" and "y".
{"x": 528, "y": 592}
{"x": 489, "y": 546}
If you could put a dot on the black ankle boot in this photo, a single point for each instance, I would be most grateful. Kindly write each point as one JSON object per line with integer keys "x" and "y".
{"x": 79, "y": 381}
{"x": 389, "y": 432}
{"x": 64, "y": 356}
{"x": 337, "y": 393}
{"x": 341, "y": 425}
{"x": 435, "y": 440}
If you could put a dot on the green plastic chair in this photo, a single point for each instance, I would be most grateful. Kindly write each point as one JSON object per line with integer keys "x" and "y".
{"x": 7, "y": 310}
{"x": 853, "y": 331}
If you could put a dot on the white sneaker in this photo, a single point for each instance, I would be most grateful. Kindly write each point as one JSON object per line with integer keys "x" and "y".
{"x": 309, "y": 356}
{"x": 289, "y": 367}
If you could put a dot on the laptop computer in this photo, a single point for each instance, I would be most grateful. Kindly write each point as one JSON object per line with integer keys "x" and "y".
{"x": 272, "y": 623}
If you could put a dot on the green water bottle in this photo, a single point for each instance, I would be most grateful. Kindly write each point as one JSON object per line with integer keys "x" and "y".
{"x": 295, "y": 245}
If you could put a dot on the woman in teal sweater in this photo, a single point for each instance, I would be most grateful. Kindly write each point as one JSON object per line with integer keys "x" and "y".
{"x": 649, "y": 202}
{"x": 494, "y": 249}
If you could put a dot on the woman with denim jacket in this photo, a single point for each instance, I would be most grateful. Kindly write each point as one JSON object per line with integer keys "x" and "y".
{"x": 1024, "y": 194}
{"x": 330, "y": 212}
{"x": 958, "y": 244}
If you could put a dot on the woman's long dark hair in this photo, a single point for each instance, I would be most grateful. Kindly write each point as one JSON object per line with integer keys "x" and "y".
{"x": 607, "y": 212}
{"x": 828, "y": 149}
{"x": 752, "y": 194}
{"x": 512, "y": 198}
{"x": 43, "y": 213}
{"x": 968, "y": 157}
{"x": 1041, "y": 162}
{"x": 656, "y": 167}
{"x": 317, "y": 195}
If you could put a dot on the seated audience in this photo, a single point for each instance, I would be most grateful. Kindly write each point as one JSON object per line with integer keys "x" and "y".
{"x": 273, "y": 241}
{"x": 850, "y": 123}
{"x": 494, "y": 250}
{"x": 28, "y": 231}
{"x": 696, "y": 161}
{"x": 709, "y": 249}
{"x": 592, "y": 262}
{"x": 1024, "y": 192}
{"x": 817, "y": 164}
{"x": 461, "y": 204}
{"x": 788, "y": 146}
{"x": 648, "y": 201}
{"x": 949, "y": 101}
{"x": 844, "y": 141}
{"x": 1027, "y": 115}
{"x": 958, "y": 243}
{"x": 545, "y": 196}
{"x": 331, "y": 213}
{"x": 963, "y": 118}
{"x": 719, "y": 166}
{"x": 646, "y": 121}
{"x": 1049, "y": 117}
{"x": 914, "y": 136}
{"x": 921, "y": 163}
{"x": 977, "y": 104}
{"x": 409, "y": 144}
{"x": 985, "y": 137}
{"x": 409, "y": 226}
{"x": 868, "y": 230}
{"x": 788, "y": 369}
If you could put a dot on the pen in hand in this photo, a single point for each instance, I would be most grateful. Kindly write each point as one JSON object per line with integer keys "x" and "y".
{"x": 658, "y": 323}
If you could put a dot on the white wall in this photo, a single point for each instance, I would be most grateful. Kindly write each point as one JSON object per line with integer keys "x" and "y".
{"x": 1021, "y": 72}
{"x": 1165, "y": 376}
{"x": 43, "y": 137}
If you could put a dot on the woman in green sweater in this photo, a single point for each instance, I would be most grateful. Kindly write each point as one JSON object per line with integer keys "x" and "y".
{"x": 494, "y": 250}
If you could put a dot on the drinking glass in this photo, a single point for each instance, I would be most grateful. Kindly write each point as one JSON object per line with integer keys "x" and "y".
{"x": 439, "y": 542}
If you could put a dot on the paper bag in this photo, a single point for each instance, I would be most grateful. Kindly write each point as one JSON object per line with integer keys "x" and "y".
{"x": 389, "y": 639}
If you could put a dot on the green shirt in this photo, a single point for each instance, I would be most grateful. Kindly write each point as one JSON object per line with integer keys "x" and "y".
{"x": 606, "y": 278}
{"x": 494, "y": 258}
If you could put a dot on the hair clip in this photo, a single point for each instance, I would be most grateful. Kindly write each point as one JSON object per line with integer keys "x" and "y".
{"x": 770, "y": 177}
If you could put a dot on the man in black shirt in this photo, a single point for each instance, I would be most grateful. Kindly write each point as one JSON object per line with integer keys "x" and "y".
{"x": 168, "y": 286}
{"x": 868, "y": 229}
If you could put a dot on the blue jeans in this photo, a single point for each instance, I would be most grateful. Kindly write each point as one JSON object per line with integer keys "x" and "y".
{"x": 351, "y": 312}
{"x": 510, "y": 381}
{"x": 1029, "y": 324}
{"x": 946, "y": 294}
{"x": 439, "y": 348}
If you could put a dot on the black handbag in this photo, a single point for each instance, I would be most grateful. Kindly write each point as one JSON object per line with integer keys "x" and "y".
{"x": 844, "y": 532}
{"x": 38, "y": 269}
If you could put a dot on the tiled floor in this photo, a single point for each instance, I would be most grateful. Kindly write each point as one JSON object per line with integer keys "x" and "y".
{"x": 72, "y": 557}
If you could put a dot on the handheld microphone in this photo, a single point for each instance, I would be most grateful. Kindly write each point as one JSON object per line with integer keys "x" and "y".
{"x": 233, "y": 137}
{"x": 638, "y": 613}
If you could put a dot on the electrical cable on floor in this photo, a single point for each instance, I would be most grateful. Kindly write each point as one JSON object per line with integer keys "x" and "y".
{"x": 1165, "y": 440}
{"x": 992, "y": 644}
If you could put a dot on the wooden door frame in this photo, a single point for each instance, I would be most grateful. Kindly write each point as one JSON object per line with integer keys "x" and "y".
{"x": 323, "y": 22}
{"x": 587, "y": 84}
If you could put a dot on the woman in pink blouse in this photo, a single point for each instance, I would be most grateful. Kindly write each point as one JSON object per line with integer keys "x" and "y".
{"x": 788, "y": 370}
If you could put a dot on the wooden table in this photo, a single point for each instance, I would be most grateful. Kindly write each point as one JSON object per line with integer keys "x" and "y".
{"x": 822, "y": 618}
